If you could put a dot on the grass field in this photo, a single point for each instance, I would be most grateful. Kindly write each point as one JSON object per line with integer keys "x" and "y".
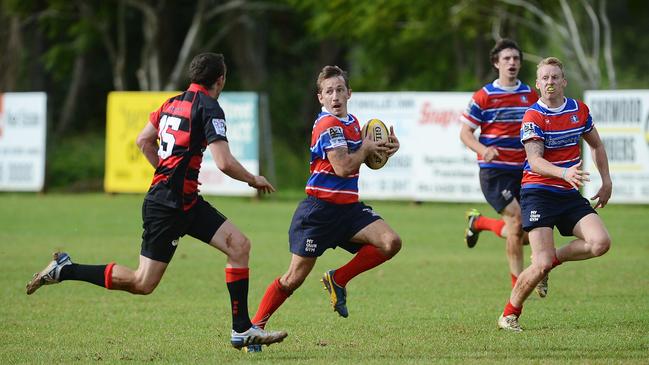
{"x": 435, "y": 302}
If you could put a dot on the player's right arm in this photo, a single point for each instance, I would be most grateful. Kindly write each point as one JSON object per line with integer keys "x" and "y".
{"x": 346, "y": 163}
{"x": 147, "y": 141}
{"x": 230, "y": 166}
{"x": 468, "y": 138}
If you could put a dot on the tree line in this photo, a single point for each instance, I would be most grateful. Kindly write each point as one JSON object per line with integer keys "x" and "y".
{"x": 78, "y": 51}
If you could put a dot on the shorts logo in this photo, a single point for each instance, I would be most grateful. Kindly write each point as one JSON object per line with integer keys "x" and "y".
{"x": 369, "y": 210}
{"x": 310, "y": 246}
{"x": 506, "y": 194}
{"x": 174, "y": 243}
{"x": 219, "y": 126}
{"x": 534, "y": 216}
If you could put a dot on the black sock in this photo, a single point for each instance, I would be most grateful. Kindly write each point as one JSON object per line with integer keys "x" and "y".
{"x": 89, "y": 273}
{"x": 239, "y": 301}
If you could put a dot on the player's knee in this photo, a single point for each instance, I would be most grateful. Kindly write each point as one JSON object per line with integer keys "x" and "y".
{"x": 543, "y": 263}
{"x": 240, "y": 248}
{"x": 600, "y": 245}
{"x": 391, "y": 244}
{"x": 290, "y": 282}
{"x": 143, "y": 287}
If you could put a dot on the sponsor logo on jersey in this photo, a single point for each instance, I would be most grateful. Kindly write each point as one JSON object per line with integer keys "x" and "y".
{"x": 528, "y": 131}
{"x": 574, "y": 119}
{"x": 524, "y": 98}
{"x": 219, "y": 126}
{"x": 337, "y": 136}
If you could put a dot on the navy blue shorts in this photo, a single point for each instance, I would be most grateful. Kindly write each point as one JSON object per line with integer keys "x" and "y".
{"x": 500, "y": 186}
{"x": 318, "y": 225}
{"x": 545, "y": 208}
{"x": 163, "y": 227}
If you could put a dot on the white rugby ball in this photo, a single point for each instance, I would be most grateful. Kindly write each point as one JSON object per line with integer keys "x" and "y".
{"x": 378, "y": 132}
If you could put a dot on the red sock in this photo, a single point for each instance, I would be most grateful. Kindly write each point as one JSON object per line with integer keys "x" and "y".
{"x": 273, "y": 298}
{"x": 555, "y": 261}
{"x": 366, "y": 258}
{"x": 510, "y": 309}
{"x": 514, "y": 279}
{"x": 108, "y": 275}
{"x": 489, "y": 224}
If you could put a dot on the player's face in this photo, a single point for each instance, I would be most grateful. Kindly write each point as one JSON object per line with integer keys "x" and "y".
{"x": 509, "y": 63}
{"x": 550, "y": 82}
{"x": 334, "y": 95}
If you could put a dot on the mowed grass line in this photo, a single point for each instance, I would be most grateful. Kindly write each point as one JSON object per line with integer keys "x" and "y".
{"x": 435, "y": 302}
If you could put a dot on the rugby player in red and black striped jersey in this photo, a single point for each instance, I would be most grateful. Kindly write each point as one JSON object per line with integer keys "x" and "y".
{"x": 185, "y": 125}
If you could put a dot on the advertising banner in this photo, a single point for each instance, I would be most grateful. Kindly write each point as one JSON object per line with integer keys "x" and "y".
{"x": 432, "y": 163}
{"x": 127, "y": 170}
{"x": 622, "y": 120}
{"x": 23, "y": 125}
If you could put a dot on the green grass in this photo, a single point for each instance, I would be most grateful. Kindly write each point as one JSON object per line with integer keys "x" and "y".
{"x": 435, "y": 302}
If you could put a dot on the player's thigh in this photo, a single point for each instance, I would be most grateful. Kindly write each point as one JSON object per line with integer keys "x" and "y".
{"x": 542, "y": 244}
{"x": 512, "y": 217}
{"x": 377, "y": 233}
{"x": 591, "y": 228}
{"x": 229, "y": 239}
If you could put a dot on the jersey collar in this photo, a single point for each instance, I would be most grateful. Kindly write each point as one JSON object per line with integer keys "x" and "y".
{"x": 197, "y": 87}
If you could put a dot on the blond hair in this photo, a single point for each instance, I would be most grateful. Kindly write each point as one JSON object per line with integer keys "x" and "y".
{"x": 552, "y": 61}
{"x": 329, "y": 72}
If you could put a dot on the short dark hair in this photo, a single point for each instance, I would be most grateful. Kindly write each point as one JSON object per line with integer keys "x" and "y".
{"x": 329, "y": 72}
{"x": 205, "y": 68}
{"x": 504, "y": 44}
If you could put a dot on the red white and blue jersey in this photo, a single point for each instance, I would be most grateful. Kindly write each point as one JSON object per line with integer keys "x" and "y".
{"x": 498, "y": 111}
{"x": 331, "y": 132}
{"x": 186, "y": 124}
{"x": 560, "y": 129}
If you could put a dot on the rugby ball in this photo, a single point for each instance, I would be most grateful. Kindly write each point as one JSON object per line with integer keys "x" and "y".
{"x": 378, "y": 132}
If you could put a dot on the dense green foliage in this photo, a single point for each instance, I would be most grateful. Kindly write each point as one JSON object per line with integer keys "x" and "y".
{"x": 78, "y": 51}
{"x": 435, "y": 302}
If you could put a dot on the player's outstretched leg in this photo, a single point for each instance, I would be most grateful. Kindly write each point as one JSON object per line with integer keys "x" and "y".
{"x": 337, "y": 294}
{"x": 50, "y": 274}
{"x": 471, "y": 233}
{"x": 256, "y": 336}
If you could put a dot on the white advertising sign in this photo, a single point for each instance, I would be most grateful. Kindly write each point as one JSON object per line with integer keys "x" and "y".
{"x": 622, "y": 120}
{"x": 23, "y": 122}
{"x": 432, "y": 163}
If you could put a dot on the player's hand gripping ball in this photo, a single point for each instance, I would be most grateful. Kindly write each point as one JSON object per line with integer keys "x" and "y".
{"x": 378, "y": 132}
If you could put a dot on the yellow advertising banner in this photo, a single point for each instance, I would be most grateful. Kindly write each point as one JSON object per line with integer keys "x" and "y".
{"x": 127, "y": 170}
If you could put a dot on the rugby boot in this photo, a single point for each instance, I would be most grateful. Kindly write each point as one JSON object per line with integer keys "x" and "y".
{"x": 50, "y": 274}
{"x": 471, "y": 234}
{"x": 256, "y": 336}
{"x": 337, "y": 294}
{"x": 509, "y": 323}
{"x": 542, "y": 287}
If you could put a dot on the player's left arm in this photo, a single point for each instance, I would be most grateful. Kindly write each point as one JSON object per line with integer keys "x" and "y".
{"x": 601, "y": 162}
{"x": 147, "y": 141}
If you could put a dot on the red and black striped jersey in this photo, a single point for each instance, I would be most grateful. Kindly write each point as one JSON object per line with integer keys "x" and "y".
{"x": 186, "y": 124}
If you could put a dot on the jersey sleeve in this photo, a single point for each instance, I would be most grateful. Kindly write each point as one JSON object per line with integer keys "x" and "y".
{"x": 531, "y": 127}
{"x": 588, "y": 126}
{"x": 328, "y": 134}
{"x": 214, "y": 124}
{"x": 473, "y": 115}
